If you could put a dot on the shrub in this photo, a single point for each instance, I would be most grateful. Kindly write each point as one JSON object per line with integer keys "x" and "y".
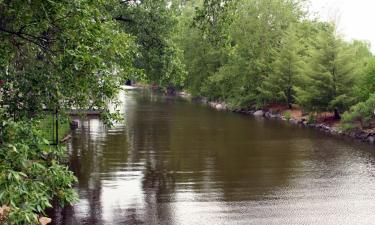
{"x": 288, "y": 115}
{"x": 31, "y": 175}
{"x": 360, "y": 115}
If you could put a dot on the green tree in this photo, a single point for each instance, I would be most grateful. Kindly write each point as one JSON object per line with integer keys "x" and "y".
{"x": 205, "y": 45}
{"x": 61, "y": 54}
{"x": 329, "y": 76}
{"x": 254, "y": 35}
{"x": 279, "y": 85}
{"x": 366, "y": 84}
{"x": 153, "y": 24}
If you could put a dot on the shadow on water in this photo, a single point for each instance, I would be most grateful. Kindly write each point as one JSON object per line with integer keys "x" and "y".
{"x": 174, "y": 162}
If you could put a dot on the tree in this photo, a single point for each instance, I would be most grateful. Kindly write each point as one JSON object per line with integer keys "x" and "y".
{"x": 254, "y": 35}
{"x": 205, "y": 45}
{"x": 153, "y": 23}
{"x": 213, "y": 18}
{"x": 329, "y": 77}
{"x": 366, "y": 84}
{"x": 279, "y": 85}
{"x": 61, "y": 54}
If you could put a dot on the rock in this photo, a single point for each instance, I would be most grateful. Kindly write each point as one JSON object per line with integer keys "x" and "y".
{"x": 272, "y": 115}
{"x": 293, "y": 121}
{"x": 44, "y": 220}
{"x": 258, "y": 113}
{"x": 371, "y": 139}
{"x": 220, "y": 107}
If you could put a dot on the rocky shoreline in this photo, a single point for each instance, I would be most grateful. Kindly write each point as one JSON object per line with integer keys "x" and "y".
{"x": 361, "y": 135}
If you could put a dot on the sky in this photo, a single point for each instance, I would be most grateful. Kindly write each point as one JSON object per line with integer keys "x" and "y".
{"x": 355, "y": 18}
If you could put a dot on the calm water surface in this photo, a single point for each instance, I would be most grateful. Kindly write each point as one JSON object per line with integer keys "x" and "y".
{"x": 172, "y": 162}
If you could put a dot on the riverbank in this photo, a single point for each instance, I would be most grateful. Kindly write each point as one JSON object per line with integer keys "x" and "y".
{"x": 295, "y": 116}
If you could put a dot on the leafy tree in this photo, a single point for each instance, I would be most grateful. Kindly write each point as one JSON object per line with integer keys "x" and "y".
{"x": 366, "y": 84}
{"x": 153, "y": 22}
{"x": 213, "y": 19}
{"x": 279, "y": 85}
{"x": 255, "y": 34}
{"x": 329, "y": 78}
{"x": 204, "y": 51}
{"x": 59, "y": 54}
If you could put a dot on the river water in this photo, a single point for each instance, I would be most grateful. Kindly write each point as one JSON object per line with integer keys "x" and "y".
{"x": 173, "y": 162}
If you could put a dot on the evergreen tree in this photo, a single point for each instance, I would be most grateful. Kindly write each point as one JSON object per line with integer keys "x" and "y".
{"x": 330, "y": 76}
{"x": 279, "y": 85}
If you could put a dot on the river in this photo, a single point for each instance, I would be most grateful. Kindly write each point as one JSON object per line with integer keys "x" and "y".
{"x": 173, "y": 162}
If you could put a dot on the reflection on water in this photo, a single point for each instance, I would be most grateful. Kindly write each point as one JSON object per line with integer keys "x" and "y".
{"x": 172, "y": 162}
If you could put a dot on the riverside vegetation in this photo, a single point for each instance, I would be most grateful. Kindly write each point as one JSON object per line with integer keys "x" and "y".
{"x": 248, "y": 53}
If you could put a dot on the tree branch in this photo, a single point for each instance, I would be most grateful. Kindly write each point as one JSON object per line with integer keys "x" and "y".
{"x": 27, "y": 37}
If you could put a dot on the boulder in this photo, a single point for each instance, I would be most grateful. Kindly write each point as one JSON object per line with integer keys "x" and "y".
{"x": 268, "y": 114}
{"x": 371, "y": 139}
{"x": 220, "y": 107}
{"x": 259, "y": 113}
{"x": 293, "y": 121}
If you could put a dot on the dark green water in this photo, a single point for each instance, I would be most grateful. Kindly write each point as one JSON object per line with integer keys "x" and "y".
{"x": 178, "y": 163}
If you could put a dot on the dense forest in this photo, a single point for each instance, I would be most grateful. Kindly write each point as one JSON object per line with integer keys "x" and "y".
{"x": 58, "y": 55}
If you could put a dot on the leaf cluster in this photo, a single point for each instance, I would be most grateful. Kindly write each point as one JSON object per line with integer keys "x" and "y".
{"x": 31, "y": 174}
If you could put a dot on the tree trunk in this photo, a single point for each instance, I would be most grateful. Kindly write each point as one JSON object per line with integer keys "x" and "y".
{"x": 337, "y": 114}
{"x": 289, "y": 97}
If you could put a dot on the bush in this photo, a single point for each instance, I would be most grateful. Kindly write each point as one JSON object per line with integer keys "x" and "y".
{"x": 31, "y": 175}
{"x": 360, "y": 115}
{"x": 288, "y": 115}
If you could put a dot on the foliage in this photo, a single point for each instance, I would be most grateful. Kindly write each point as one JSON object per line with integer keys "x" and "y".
{"x": 329, "y": 76}
{"x": 47, "y": 127}
{"x": 205, "y": 43}
{"x": 213, "y": 19}
{"x": 31, "y": 174}
{"x": 254, "y": 36}
{"x": 288, "y": 115}
{"x": 366, "y": 84}
{"x": 280, "y": 84}
{"x": 61, "y": 54}
{"x": 360, "y": 115}
{"x": 152, "y": 22}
